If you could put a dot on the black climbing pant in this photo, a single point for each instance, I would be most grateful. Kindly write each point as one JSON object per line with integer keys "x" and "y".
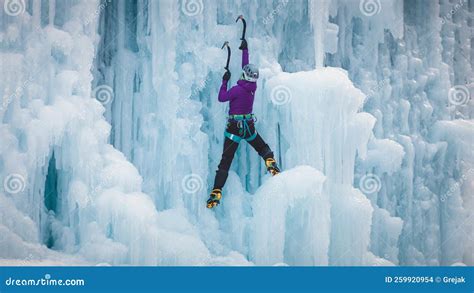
{"x": 230, "y": 147}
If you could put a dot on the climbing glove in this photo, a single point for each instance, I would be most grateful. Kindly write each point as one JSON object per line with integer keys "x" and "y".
{"x": 226, "y": 75}
{"x": 243, "y": 45}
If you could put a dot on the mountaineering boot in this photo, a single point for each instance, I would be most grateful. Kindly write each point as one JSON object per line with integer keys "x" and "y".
{"x": 214, "y": 198}
{"x": 272, "y": 166}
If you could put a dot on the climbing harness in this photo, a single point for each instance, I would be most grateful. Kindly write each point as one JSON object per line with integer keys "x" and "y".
{"x": 244, "y": 128}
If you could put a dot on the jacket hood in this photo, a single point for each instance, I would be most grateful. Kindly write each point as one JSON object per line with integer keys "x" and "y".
{"x": 247, "y": 85}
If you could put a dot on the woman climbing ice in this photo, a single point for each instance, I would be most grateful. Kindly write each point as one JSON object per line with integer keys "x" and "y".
{"x": 240, "y": 124}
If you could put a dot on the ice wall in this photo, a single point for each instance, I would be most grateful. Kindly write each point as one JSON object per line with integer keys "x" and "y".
{"x": 414, "y": 61}
{"x": 456, "y": 203}
{"x": 292, "y": 221}
{"x": 65, "y": 188}
{"x": 318, "y": 114}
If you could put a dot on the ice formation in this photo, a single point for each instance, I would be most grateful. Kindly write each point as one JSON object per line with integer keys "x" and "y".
{"x": 111, "y": 132}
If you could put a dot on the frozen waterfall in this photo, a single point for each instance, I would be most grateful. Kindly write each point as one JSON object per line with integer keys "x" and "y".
{"x": 111, "y": 132}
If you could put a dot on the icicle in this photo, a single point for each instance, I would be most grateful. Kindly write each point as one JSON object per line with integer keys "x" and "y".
{"x": 319, "y": 17}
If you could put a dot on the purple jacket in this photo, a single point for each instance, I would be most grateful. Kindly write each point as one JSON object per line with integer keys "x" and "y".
{"x": 240, "y": 96}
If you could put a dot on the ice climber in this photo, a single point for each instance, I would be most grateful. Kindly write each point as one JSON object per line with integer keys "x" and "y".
{"x": 240, "y": 124}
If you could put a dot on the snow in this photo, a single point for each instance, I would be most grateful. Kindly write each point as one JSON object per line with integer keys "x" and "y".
{"x": 111, "y": 132}
{"x": 385, "y": 154}
{"x": 291, "y": 222}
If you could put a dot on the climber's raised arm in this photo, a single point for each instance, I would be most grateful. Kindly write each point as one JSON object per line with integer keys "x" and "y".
{"x": 224, "y": 94}
{"x": 245, "y": 53}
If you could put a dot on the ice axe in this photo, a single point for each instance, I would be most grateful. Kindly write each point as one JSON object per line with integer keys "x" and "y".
{"x": 226, "y": 44}
{"x": 241, "y": 17}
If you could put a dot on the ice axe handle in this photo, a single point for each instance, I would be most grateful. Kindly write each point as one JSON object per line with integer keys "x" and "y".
{"x": 226, "y": 44}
